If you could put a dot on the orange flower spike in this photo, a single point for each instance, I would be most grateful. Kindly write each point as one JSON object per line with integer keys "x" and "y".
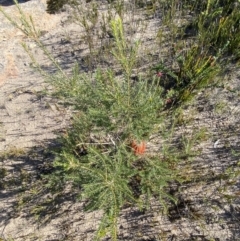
{"x": 138, "y": 149}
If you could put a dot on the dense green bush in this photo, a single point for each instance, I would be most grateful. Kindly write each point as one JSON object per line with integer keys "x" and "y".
{"x": 97, "y": 154}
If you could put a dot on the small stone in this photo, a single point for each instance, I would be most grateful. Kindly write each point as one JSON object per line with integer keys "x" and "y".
{"x": 32, "y": 45}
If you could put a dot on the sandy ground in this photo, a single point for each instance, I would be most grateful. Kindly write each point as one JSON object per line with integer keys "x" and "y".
{"x": 29, "y": 122}
{"x": 24, "y": 115}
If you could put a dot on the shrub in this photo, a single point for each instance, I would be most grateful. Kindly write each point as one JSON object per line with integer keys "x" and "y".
{"x": 97, "y": 154}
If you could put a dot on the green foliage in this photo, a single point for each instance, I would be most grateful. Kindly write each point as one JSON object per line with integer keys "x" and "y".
{"x": 195, "y": 71}
{"x": 54, "y": 6}
{"x": 219, "y": 27}
{"x": 123, "y": 108}
{"x": 216, "y": 26}
{"x": 111, "y": 176}
{"x": 96, "y": 153}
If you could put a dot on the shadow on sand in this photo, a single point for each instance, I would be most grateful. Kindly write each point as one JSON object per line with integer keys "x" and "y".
{"x": 11, "y": 2}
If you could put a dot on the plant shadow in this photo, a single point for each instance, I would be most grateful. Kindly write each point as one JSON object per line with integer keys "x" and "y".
{"x": 7, "y": 3}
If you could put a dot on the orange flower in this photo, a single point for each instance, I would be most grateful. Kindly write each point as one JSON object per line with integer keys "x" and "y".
{"x": 138, "y": 149}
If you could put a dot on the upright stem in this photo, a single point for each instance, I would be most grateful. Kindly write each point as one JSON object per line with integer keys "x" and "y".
{"x": 126, "y": 57}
